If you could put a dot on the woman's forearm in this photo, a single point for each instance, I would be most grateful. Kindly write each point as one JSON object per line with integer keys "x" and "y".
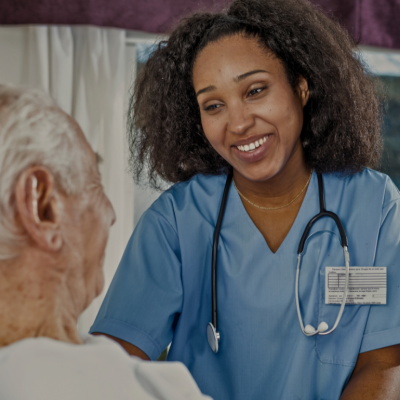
{"x": 376, "y": 376}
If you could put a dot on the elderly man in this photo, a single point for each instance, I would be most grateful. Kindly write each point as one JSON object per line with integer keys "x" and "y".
{"x": 54, "y": 223}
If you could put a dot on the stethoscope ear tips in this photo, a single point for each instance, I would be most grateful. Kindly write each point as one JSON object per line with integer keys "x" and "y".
{"x": 322, "y": 327}
{"x": 212, "y": 337}
{"x": 310, "y": 330}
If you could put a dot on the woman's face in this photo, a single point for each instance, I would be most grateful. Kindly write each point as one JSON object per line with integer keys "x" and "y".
{"x": 249, "y": 112}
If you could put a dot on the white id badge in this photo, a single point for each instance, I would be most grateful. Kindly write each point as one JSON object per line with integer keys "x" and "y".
{"x": 367, "y": 285}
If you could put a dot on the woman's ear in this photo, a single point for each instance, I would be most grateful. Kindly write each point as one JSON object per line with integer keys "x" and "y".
{"x": 38, "y": 206}
{"x": 302, "y": 90}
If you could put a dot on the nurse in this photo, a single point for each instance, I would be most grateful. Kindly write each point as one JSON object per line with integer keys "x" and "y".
{"x": 274, "y": 92}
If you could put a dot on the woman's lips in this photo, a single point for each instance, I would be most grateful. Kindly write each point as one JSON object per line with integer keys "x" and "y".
{"x": 256, "y": 154}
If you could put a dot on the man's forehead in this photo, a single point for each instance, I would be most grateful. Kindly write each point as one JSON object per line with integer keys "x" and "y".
{"x": 84, "y": 142}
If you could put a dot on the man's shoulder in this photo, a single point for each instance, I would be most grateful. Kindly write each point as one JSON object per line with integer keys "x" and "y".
{"x": 99, "y": 368}
{"x": 53, "y": 368}
{"x": 44, "y": 348}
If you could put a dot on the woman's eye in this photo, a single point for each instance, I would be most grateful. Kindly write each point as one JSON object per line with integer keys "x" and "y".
{"x": 256, "y": 91}
{"x": 212, "y": 107}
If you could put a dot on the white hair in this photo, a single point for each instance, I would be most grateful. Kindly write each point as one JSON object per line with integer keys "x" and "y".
{"x": 34, "y": 131}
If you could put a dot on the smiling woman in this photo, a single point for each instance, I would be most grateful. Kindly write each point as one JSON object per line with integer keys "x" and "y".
{"x": 342, "y": 118}
{"x": 269, "y": 108}
{"x": 253, "y": 118}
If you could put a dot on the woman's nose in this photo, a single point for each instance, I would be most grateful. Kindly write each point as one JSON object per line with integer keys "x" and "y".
{"x": 240, "y": 119}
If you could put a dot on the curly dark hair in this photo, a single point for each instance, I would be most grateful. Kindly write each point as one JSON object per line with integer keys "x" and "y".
{"x": 342, "y": 118}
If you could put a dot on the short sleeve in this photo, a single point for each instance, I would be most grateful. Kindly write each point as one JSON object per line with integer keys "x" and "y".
{"x": 145, "y": 296}
{"x": 383, "y": 324}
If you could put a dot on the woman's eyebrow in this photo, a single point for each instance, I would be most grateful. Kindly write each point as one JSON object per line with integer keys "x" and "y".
{"x": 237, "y": 79}
{"x": 244, "y": 76}
{"x": 206, "y": 90}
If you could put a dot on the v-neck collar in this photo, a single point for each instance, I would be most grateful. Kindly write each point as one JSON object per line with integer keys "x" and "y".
{"x": 308, "y": 209}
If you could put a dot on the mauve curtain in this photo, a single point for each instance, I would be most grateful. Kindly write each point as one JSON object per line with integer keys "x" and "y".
{"x": 83, "y": 68}
{"x": 371, "y": 22}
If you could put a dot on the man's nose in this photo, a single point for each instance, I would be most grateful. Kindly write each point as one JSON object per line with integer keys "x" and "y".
{"x": 113, "y": 217}
{"x": 240, "y": 119}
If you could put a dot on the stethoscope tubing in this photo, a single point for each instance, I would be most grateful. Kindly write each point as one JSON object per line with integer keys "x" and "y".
{"x": 213, "y": 335}
{"x": 342, "y": 305}
{"x": 323, "y": 213}
{"x": 215, "y": 251}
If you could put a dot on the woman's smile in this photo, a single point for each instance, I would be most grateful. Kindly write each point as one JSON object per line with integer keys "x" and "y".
{"x": 254, "y": 144}
{"x": 252, "y": 149}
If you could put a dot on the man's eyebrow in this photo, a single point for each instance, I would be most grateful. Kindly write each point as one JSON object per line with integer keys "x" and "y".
{"x": 99, "y": 158}
{"x": 244, "y": 76}
{"x": 206, "y": 90}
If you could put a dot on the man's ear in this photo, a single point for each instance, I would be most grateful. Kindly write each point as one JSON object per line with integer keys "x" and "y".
{"x": 302, "y": 90}
{"x": 38, "y": 206}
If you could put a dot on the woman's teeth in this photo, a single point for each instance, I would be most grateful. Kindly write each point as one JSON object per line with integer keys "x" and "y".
{"x": 253, "y": 146}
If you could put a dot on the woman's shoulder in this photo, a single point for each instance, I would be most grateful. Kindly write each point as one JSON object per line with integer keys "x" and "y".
{"x": 367, "y": 184}
{"x": 200, "y": 190}
{"x": 193, "y": 200}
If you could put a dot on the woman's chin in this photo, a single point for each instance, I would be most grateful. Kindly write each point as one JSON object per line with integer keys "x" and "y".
{"x": 256, "y": 173}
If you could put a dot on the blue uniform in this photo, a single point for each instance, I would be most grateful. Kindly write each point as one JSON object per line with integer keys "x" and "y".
{"x": 161, "y": 292}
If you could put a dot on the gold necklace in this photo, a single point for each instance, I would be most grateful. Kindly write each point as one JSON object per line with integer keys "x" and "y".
{"x": 273, "y": 208}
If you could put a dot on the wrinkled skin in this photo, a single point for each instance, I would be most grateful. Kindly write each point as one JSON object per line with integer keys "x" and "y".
{"x": 59, "y": 272}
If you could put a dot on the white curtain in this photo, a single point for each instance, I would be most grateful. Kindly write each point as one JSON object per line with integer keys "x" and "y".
{"x": 84, "y": 69}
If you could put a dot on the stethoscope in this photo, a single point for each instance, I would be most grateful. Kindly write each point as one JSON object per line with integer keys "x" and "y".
{"x": 213, "y": 335}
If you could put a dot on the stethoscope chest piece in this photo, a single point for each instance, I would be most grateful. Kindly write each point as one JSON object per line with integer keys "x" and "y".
{"x": 212, "y": 337}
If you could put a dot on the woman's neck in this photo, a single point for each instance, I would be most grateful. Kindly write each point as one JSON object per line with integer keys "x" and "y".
{"x": 35, "y": 304}
{"x": 280, "y": 188}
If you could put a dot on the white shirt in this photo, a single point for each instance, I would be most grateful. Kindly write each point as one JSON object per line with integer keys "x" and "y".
{"x": 47, "y": 369}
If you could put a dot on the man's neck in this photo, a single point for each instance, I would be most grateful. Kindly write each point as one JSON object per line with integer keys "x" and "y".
{"x": 35, "y": 302}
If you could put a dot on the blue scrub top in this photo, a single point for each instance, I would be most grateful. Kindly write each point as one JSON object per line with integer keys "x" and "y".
{"x": 161, "y": 291}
